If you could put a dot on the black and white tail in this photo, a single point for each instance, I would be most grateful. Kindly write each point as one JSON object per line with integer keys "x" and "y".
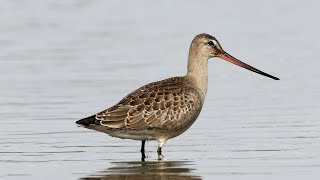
{"x": 87, "y": 121}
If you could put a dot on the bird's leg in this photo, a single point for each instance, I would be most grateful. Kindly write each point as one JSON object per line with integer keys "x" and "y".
{"x": 143, "y": 142}
{"x": 143, "y": 155}
{"x": 160, "y": 144}
{"x": 159, "y": 151}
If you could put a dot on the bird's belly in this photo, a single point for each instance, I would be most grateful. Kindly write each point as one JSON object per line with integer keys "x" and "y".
{"x": 139, "y": 134}
{"x": 124, "y": 133}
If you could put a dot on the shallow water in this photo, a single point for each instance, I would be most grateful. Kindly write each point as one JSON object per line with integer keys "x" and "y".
{"x": 60, "y": 62}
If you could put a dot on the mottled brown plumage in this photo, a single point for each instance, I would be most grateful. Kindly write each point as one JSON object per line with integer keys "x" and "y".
{"x": 163, "y": 104}
{"x": 164, "y": 109}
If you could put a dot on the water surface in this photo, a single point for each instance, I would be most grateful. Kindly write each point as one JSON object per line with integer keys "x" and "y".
{"x": 62, "y": 61}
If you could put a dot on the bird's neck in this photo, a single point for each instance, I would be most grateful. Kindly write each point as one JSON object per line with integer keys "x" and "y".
{"x": 197, "y": 73}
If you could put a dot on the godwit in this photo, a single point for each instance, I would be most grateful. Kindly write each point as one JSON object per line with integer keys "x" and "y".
{"x": 164, "y": 109}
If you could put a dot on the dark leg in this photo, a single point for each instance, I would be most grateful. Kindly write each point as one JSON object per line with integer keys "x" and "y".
{"x": 160, "y": 144}
{"x": 143, "y": 156}
{"x": 142, "y": 145}
{"x": 160, "y": 156}
{"x": 159, "y": 151}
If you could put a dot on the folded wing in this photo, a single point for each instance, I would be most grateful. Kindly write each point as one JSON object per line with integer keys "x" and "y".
{"x": 153, "y": 106}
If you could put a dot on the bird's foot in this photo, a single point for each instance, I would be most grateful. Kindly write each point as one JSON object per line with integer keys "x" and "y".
{"x": 160, "y": 157}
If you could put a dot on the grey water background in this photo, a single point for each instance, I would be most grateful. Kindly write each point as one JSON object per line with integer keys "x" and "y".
{"x": 64, "y": 60}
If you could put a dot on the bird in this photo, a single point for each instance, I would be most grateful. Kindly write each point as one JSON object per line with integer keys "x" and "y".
{"x": 165, "y": 109}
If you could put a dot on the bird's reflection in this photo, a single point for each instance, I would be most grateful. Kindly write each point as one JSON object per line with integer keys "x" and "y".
{"x": 173, "y": 170}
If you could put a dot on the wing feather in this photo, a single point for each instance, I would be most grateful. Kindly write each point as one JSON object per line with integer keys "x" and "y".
{"x": 161, "y": 105}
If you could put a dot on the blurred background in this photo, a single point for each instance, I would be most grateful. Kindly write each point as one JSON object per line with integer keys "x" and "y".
{"x": 61, "y": 61}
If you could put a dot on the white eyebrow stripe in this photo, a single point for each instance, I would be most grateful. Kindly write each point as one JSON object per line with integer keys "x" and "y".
{"x": 214, "y": 42}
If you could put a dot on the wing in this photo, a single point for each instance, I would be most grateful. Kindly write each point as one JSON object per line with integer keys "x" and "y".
{"x": 157, "y": 105}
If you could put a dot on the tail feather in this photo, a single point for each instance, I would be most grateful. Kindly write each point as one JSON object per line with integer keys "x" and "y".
{"x": 88, "y": 120}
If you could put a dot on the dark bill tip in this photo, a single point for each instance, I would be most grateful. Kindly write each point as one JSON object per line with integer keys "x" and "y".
{"x": 227, "y": 57}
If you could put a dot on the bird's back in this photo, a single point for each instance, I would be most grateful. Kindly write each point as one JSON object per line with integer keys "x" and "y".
{"x": 167, "y": 105}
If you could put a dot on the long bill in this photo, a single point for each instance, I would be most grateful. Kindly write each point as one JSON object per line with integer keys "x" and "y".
{"x": 233, "y": 60}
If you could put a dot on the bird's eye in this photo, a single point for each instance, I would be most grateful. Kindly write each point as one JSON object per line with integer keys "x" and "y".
{"x": 211, "y": 43}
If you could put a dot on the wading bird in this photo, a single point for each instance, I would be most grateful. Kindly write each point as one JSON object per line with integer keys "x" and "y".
{"x": 165, "y": 109}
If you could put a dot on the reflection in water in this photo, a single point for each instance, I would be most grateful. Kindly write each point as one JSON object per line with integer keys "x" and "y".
{"x": 174, "y": 170}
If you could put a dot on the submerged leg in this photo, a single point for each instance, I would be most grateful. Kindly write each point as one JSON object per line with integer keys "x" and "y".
{"x": 160, "y": 144}
{"x": 143, "y": 155}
